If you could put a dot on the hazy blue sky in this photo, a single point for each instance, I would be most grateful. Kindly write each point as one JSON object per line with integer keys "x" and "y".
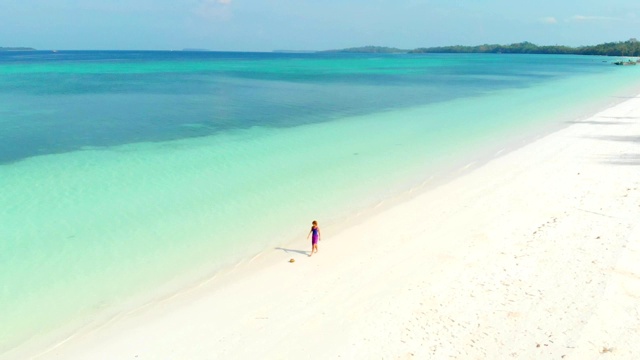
{"x": 264, "y": 25}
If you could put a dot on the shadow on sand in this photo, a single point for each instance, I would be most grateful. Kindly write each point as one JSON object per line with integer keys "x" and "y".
{"x": 627, "y": 138}
{"x": 288, "y": 251}
{"x": 620, "y": 117}
{"x": 623, "y": 159}
{"x": 595, "y": 122}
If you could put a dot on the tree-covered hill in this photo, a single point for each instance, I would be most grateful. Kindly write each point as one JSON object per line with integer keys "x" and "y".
{"x": 623, "y": 48}
{"x": 370, "y": 50}
{"x": 16, "y": 48}
{"x": 630, "y": 47}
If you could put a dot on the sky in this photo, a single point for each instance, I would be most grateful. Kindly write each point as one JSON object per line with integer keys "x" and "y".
{"x": 266, "y": 25}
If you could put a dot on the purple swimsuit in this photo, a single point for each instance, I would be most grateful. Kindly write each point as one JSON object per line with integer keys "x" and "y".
{"x": 314, "y": 236}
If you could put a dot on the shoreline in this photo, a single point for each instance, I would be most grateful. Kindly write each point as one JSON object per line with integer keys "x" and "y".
{"x": 364, "y": 289}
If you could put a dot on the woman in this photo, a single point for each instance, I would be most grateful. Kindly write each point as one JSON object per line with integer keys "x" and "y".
{"x": 315, "y": 236}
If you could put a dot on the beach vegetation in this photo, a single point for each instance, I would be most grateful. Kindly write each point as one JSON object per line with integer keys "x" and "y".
{"x": 630, "y": 47}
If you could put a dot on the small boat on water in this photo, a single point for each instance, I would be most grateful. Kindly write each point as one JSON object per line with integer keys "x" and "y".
{"x": 628, "y": 62}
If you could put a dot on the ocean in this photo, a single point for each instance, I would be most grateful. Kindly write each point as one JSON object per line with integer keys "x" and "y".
{"x": 126, "y": 175}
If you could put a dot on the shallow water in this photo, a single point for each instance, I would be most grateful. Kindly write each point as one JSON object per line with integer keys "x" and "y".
{"x": 124, "y": 171}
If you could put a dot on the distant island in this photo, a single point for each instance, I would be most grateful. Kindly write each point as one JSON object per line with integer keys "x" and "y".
{"x": 371, "y": 50}
{"x": 295, "y": 51}
{"x": 630, "y": 47}
{"x": 16, "y": 49}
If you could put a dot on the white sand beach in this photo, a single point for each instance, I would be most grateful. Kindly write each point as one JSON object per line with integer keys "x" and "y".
{"x": 533, "y": 255}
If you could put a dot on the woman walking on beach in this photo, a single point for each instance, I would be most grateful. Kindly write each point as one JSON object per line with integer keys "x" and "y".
{"x": 315, "y": 236}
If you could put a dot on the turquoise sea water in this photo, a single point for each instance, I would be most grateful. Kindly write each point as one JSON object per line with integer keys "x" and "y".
{"x": 122, "y": 173}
